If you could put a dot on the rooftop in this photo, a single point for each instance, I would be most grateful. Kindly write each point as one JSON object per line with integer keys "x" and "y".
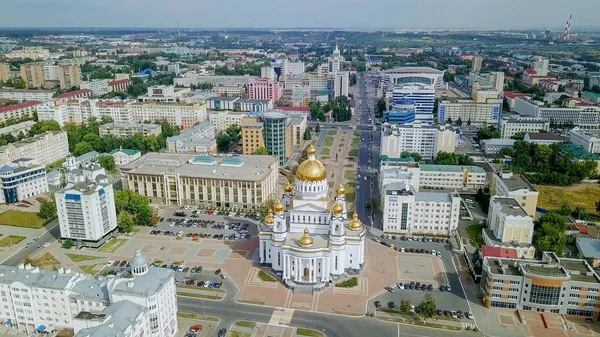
{"x": 515, "y": 182}
{"x": 121, "y": 315}
{"x": 129, "y": 125}
{"x": 498, "y": 252}
{"x": 589, "y": 247}
{"x": 451, "y": 168}
{"x": 546, "y": 136}
{"x": 75, "y": 93}
{"x": 510, "y": 206}
{"x": 18, "y": 106}
{"x": 433, "y": 196}
{"x": 544, "y": 270}
{"x": 128, "y": 152}
{"x": 498, "y": 141}
{"x": 145, "y": 285}
{"x": 579, "y": 152}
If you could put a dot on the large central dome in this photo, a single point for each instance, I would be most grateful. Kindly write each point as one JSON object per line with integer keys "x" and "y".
{"x": 311, "y": 169}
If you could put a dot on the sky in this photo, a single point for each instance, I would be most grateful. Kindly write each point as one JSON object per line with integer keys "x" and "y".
{"x": 358, "y": 14}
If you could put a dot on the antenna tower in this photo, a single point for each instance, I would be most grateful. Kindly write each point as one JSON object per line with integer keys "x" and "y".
{"x": 567, "y": 33}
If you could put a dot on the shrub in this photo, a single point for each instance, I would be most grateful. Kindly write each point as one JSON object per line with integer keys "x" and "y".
{"x": 264, "y": 276}
{"x": 349, "y": 283}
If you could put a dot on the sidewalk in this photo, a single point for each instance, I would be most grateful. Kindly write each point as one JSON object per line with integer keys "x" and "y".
{"x": 442, "y": 323}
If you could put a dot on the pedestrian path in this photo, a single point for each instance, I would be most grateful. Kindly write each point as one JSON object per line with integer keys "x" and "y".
{"x": 281, "y": 317}
{"x": 467, "y": 325}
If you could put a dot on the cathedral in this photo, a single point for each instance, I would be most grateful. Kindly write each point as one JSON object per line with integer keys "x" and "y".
{"x": 306, "y": 237}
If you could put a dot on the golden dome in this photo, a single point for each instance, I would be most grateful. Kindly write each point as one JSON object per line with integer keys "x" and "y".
{"x": 310, "y": 150}
{"x": 341, "y": 190}
{"x": 311, "y": 170}
{"x": 355, "y": 224}
{"x": 279, "y": 207}
{"x": 306, "y": 240}
{"x": 288, "y": 188}
{"x": 269, "y": 218}
{"x": 338, "y": 209}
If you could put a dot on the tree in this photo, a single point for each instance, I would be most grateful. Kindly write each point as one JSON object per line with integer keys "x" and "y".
{"x": 459, "y": 122}
{"x": 67, "y": 244}
{"x": 469, "y": 122}
{"x": 307, "y": 135}
{"x": 380, "y": 107}
{"x": 318, "y": 128}
{"x": 106, "y": 119}
{"x": 414, "y": 155}
{"x": 405, "y": 306}
{"x": 391, "y": 305}
{"x": 125, "y": 222}
{"x": 580, "y": 213}
{"x": 427, "y": 307}
{"x": 261, "y": 151}
{"x": 447, "y": 158}
{"x": 265, "y": 207}
{"x": 549, "y": 234}
{"x": 234, "y": 133}
{"x": 352, "y": 80}
{"x": 566, "y": 209}
{"x": 47, "y": 209}
{"x": 488, "y": 133}
{"x": 107, "y": 163}
{"x": 518, "y": 136}
{"x": 449, "y": 121}
{"x": 223, "y": 141}
{"x": 82, "y": 148}
{"x": 135, "y": 205}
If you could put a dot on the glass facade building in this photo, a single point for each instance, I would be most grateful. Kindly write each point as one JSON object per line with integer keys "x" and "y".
{"x": 274, "y": 134}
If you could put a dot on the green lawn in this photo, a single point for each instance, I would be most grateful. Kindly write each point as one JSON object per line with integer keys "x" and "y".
{"x": 46, "y": 260}
{"x": 350, "y": 194}
{"x": 355, "y": 143}
{"x": 325, "y": 151}
{"x": 350, "y": 175}
{"x": 208, "y": 297}
{"x": 216, "y": 290}
{"x": 238, "y": 334}
{"x": 21, "y": 219}
{"x": 475, "y": 235}
{"x": 353, "y": 153}
{"x": 246, "y": 324}
{"x": 198, "y": 317}
{"x": 328, "y": 141}
{"x": 331, "y": 132}
{"x": 112, "y": 245}
{"x": 349, "y": 283}
{"x": 308, "y": 332}
{"x": 79, "y": 258}
{"x": 88, "y": 269}
{"x": 356, "y": 133}
{"x": 11, "y": 240}
{"x": 263, "y": 275}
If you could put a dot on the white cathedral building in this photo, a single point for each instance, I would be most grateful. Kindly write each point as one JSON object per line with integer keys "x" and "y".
{"x": 306, "y": 238}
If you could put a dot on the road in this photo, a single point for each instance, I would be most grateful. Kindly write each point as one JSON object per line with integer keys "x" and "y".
{"x": 52, "y": 233}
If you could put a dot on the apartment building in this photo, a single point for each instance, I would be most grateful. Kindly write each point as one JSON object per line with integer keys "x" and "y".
{"x": 98, "y": 87}
{"x": 588, "y": 139}
{"x": 552, "y": 284}
{"x": 18, "y": 111}
{"x": 164, "y": 94}
{"x": 509, "y": 226}
{"x": 26, "y": 95}
{"x": 451, "y": 177}
{"x": 416, "y": 137}
{"x": 199, "y": 140}
{"x": 406, "y": 211}
{"x": 469, "y": 110}
{"x": 236, "y": 182}
{"x": 69, "y": 76}
{"x": 252, "y": 133}
{"x": 124, "y": 318}
{"x": 119, "y": 85}
{"x": 75, "y": 94}
{"x": 585, "y": 117}
{"x": 229, "y": 91}
{"x": 86, "y": 212}
{"x": 222, "y": 80}
{"x": 476, "y": 62}
{"x": 181, "y": 115}
{"x": 22, "y": 179}
{"x": 125, "y": 130}
{"x": 495, "y": 145}
{"x": 47, "y": 148}
{"x": 221, "y": 120}
{"x": 238, "y": 104}
{"x": 509, "y": 127}
{"x": 16, "y": 129}
{"x": 493, "y": 80}
{"x": 507, "y": 184}
{"x": 33, "y": 75}
{"x": 4, "y": 71}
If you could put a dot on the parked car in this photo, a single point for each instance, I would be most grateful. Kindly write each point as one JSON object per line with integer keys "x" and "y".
{"x": 400, "y": 286}
{"x": 453, "y": 313}
{"x": 470, "y": 315}
{"x": 377, "y": 304}
{"x": 412, "y": 308}
{"x": 222, "y": 332}
{"x": 448, "y": 288}
{"x": 430, "y": 287}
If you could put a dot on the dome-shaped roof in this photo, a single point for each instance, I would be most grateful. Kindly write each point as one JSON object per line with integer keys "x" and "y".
{"x": 279, "y": 207}
{"x": 138, "y": 260}
{"x": 341, "y": 190}
{"x": 269, "y": 218}
{"x": 355, "y": 224}
{"x": 288, "y": 188}
{"x": 311, "y": 170}
{"x": 306, "y": 240}
{"x": 6, "y": 169}
{"x": 338, "y": 209}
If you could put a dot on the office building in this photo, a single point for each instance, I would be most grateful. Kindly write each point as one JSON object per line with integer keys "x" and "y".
{"x": 181, "y": 115}
{"x": 552, "y": 285}
{"x": 588, "y": 139}
{"x": 469, "y": 111}
{"x": 86, "y": 212}
{"x": 48, "y": 148}
{"x": 451, "y": 177}
{"x": 540, "y": 66}
{"x": 125, "y": 156}
{"x": 277, "y": 135}
{"x": 98, "y": 87}
{"x": 221, "y": 120}
{"x": 492, "y": 146}
{"x": 423, "y": 139}
{"x": 238, "y": 104}
{"x": 69, "y": 76}
{"x": 26, "y": 95}
{"x": 252, "y": 134}
{"x": 22, "y": 179}
{"x": 585, "y": 117}
{"x": 544, "y": 138}
{"x": 340, "y": 85}
{"x": 17, "y": 129}
{"x": 18, "y": 111}
{"x": 335, "y": 61}
{"x": 509, "y": 185}
{"x": 422, "y": 95}
{"x": 479, "y": 95}
{"x": 402, "y": 111}
{"x": 411, "y": 75}
{"x": 476, "y": 62}
{"x": 33, "y": 75}
{"x": 236, "y": 182}
{"x": 4, "y": 71}
{"x": 125, "y": 130}
{"x": 164, "y": 94}
{"x": 509, "y": 127}
{"x": 229, "y": 91}
{"x": 199, "y": 139}
{"x": 222, "y": 79}
{"x": 509, "y": 226}
{"x": 408, "y": 212}
{"x": 264, "y": 89}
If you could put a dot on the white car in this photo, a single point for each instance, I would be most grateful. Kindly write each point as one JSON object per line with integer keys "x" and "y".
{"x": 402, "y": 250}
{"x": 412, "y": 308}
{"x": 470, "y": 315}
{"x": 365, "y": 179}
{"x": 206, "y": 283}
{"x": 433, "y": 252}
{"x": 109, "y": 263}
{"x": 46, "y": 244}
{"x": 439, "y": 254}
{"x": 453, "y": 313}
{"x": 400, "y": 286}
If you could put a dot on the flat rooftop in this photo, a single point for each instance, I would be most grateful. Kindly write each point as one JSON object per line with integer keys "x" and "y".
{"x": 242, "y": 167}
{"x": 544, "y": 270}
{"x": 510, "y": 206}
{"x": 516, "y": 182}
{"x": 451, "y": 168}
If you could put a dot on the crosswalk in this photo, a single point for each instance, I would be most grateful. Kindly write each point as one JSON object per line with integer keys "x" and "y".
{"x": 466, "y": 325}
{"x": 281, "y": 317}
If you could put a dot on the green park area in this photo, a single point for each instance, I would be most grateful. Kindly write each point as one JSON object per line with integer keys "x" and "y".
{"x": 80, "y": 258}
{"x": 350, "y": 175}
{"x": 331, "y": 132}
{"x": 21, "y": 219}
{"x": 350, "y": 191}
{"x": 11, "y": 240}
{"x": 328, "y": 141}
{"x": 475, "y": 235}
{"x": 112, "y": 245}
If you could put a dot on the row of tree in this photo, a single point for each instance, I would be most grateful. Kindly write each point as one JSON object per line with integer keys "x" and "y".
{"x": 340, "y": 110}
{"x": 427, "y": 308}
{"x": 447, "y": 158}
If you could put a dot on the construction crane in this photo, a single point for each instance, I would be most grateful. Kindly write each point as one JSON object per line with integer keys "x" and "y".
{"x": 567, "y": 33}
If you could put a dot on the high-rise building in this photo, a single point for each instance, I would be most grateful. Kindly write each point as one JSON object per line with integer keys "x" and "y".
{"x": 86, "y": 212}
{"x": 4, "y": 72}
{"x": 47, "y": 148}
{"x": 69, "y": 76}
{"x": 476, "y": 63}
{"x": 509, "y": 226}
{"x": 340, "y": 84}
{"x": 335, "y": 61}
{"x": 423, "y": 139}
{"x": 402, "y": 111}
{"x": 423, "y": 96}
{"x": 33, "y": 75}
{"x": 277, "y": 136}
{"x": 264, "y": 88}
{"x": 22, "y": 179}
{"x": 469, "y": 111}
{"x": 540, "y": 65}
{"x": 252, "y": 132}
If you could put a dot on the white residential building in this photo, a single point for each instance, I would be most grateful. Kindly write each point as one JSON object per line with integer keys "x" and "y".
{"x": 164, "y": 94}
{"x": 18, "y": 111}
{"x": 540, "y": 65}
{"x": 86, "y": 212}
{"x": 182, "y": 115}
{"x": 509, "y": 226}
{"x": 22, "y": 179}
{"x": 98, "y": 87}
{"x": 585, "y": 117}
{"x": 125, "y": 156}
{"x": 123, "y": 318}
{"x": 507, "y": 184}
{"x": 509, "y": 127}
{"x": 16, "y": 129}
{"x": 221, "y": 120}
{"x": 493, "y": 80}
{"x": 451, "y": 177}
{"x": 589, "y": 139}
{"x": 200, "y": 140}
{"x": 408, "y": 212}
{"x": 124, "y": 130}
{"x": 543, "y": 138}
{"x": 340, "y": 84}
{"x": 468, "y": 110}
{"x": 26, "y": 95}
{"x": 416, "y": 137}
{"x": 46, "y": 148}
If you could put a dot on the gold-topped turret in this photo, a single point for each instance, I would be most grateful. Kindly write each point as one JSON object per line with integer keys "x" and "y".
{"x": 279, "y": 207}
{"x": 338, "y": 209}
{"x": 311, "y": 170}
{"x": 341, "y": 190}
{"x": 288, "y": 188}
{"x": 306, "y": 240}
{"x": 311, "y": 150}
{"x": 355, "y": 224}
{"x": 269, "y": 218}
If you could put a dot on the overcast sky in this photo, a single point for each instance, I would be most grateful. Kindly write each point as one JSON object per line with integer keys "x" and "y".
{"x": 390, "y": 14}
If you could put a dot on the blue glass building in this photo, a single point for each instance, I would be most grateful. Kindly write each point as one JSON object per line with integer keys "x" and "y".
{"x": 402, "y": 111}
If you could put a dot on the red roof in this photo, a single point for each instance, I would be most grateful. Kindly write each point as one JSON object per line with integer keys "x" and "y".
{"x": 113, "y": 83}
{"x": 531, "y": 72}
{"x": 75, "y": 93}
{"x": 19, "y": 106}
{"x": 498, "y": 252}
{"x": 292, "y": 108}
{"x": 513, "y": 95}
